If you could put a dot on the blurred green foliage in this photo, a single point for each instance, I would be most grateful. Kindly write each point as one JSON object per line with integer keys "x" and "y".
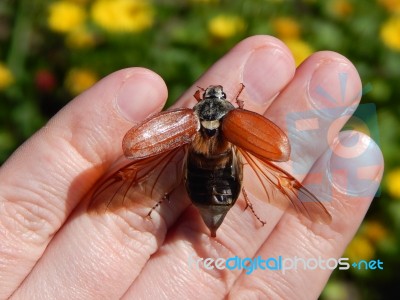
{"x": 53, "y": 50}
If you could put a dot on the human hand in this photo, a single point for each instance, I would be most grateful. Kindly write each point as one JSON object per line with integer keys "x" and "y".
{"x": 51, "y": 247}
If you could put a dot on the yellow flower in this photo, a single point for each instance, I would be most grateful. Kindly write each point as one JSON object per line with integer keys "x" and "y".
{"x": 286, "y": 28}
{"x": 374, "y": 231}
{"x": 393, "y": 183}
{"x": 78, "y": 80}
{"x": 80, "y": 38}
{"x": 6, "y": 77}
{"x": 391, "y": 5}
{"x": 341, "y": 8}
{"x": 65, "y": 16}
{"x": 359, "y": 248}
{"x": 390, "y": 33}
{"x": 205, "y": 1}
{"x": 225, "y": 26}
{"x": 123, "y": 15}
{"x": 300, "y": 49}
{"x": 81, "y": 2}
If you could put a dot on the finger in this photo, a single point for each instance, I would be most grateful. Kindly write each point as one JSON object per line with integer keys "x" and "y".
{"x": 315, "y": 105}
{"x": 240, "y": 234}
{"x": 121, "y": 243}
{"x": 350, "y": 174}
{"x": 312, "y": 109}
{"x": 46, "y": 177}
{"x": 262, "y": 63}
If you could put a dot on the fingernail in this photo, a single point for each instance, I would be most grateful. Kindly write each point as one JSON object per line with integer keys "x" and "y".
{"x": 137, "y": 97}
{"x": 266, "y": 71}
{"x": 334, "y": 88}
{"x": 356, "y": 164}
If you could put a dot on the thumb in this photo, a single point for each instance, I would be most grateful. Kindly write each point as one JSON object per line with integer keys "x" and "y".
{"x": 50, "y": 173}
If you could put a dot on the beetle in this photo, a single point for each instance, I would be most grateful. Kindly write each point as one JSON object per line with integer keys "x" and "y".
{"x": 207, "y": 148}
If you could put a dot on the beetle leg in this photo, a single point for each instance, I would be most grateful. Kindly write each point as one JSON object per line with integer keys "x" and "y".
{"x": 250, "y": 205}
{"x": 165, "y": 197}
{"x": 240, "y": 103}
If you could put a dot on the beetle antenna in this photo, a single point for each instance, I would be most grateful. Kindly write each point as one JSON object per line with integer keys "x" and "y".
{"x": 197, "y": 94}
{"x": 201, "y": 88}
{"x": 239, "y": 102}
{"x": 250, "y": 205}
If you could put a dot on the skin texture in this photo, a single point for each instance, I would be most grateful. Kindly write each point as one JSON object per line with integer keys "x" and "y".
{"x": 52, "y": 248}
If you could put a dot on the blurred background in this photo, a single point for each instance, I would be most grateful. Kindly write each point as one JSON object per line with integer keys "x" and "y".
{"x": 51, "y": 51}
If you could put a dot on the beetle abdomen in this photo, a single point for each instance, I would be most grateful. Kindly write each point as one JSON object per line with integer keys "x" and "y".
{"x": 214, "y": 186}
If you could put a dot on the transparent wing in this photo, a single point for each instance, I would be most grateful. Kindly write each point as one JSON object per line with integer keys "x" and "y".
{"x": 142, "y": 182}
{"x": 281, "y": 189}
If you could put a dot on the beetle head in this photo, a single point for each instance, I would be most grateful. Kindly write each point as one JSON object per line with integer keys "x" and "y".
{"x": 212, "y": 108}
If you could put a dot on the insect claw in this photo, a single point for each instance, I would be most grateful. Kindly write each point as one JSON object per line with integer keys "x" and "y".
{"x": 240, "y": 103}
{"x": 247, "y": 205}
